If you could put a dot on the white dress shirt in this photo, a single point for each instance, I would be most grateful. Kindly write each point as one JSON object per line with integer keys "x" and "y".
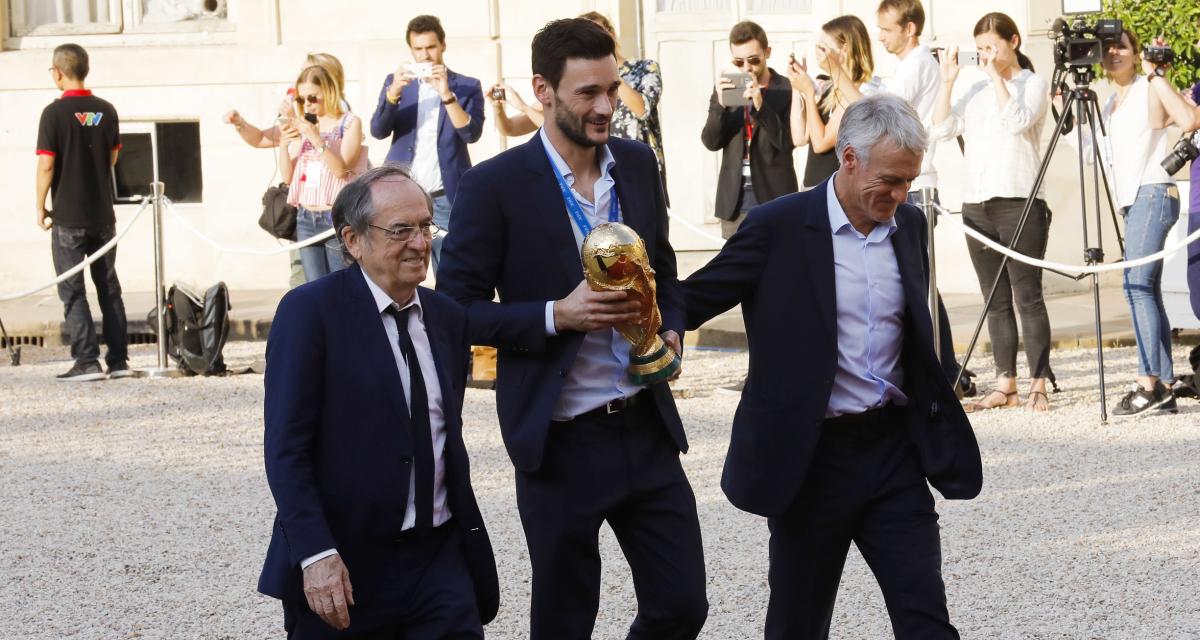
{"x": 426, "y": 169}
{"x": 599, "y": 373}
{"x": 917, "y": 80}
{"x": 433, "y": 390}
{"x": 870, "y": 315}
{"x": 1003, "y": 144}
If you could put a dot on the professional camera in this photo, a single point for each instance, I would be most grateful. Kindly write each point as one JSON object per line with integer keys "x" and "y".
{"x": 1185, "y": 151}
{"x": 1078, "y": 45}
{"x": 1161, "y": 56}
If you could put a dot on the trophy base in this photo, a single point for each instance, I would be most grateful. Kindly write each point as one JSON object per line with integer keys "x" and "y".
{"x": 657, "y": 366}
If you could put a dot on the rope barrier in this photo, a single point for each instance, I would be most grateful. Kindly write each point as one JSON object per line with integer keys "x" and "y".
{"x": 108, "y": 246}
{"x": 697, "y": 230}
{"x": 187, "y": 224}
{"x": 1070, "y": 268}
{"x": 321, "y": 237}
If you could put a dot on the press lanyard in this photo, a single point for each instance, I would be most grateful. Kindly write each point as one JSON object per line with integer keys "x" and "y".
{"x": 573, "y": 207}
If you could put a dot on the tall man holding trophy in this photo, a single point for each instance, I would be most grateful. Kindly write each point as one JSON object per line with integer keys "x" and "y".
{"x": 586, "y": 414}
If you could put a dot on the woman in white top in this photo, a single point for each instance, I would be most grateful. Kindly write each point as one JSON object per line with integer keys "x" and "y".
{"x": 1135, "y": 117}
{"x": 1000, "y": 119}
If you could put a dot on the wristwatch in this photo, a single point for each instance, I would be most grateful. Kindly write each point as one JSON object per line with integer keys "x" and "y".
{"x": 451, "y": 100}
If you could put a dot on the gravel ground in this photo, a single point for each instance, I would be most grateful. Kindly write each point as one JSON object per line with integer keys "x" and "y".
{"x": 139, "y": 509}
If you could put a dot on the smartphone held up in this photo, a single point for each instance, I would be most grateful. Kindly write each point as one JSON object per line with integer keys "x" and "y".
{"x": 735, "y": 96}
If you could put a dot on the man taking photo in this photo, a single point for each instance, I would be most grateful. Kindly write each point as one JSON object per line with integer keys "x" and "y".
{"x": 431, "y": 114}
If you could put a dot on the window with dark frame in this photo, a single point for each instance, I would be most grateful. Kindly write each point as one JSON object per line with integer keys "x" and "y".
{"x": 174, "y": 150}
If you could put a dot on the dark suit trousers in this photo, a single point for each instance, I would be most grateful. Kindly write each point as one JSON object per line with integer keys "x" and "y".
{"x": 866, "y": 486}
{"x": 621, "y": 468}
{"x": 426, "y": 594}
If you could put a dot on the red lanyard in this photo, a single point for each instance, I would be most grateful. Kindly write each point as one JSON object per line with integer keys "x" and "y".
{"x": 749, "y": 130}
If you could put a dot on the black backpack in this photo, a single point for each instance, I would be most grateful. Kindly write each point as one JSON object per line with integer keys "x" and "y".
{"x": 197, "y": 327}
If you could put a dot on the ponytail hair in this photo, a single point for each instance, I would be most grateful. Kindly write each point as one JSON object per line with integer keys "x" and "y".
{"x": 1004, "y": 26}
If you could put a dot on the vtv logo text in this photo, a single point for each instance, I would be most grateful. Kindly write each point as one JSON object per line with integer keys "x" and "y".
{"x": 88, "y": 118}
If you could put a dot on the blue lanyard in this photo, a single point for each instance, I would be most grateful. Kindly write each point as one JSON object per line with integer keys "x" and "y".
{"x": 573, "y": 207}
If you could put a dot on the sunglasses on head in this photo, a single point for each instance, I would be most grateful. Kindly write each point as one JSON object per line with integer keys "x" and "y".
{"x": 752, "y": 61}
{"x": 313, "y": 99}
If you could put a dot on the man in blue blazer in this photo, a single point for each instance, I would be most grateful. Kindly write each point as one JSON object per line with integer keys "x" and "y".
{"x": 431, "y": 119}
{"x": 377, "y": 532}
{"x": 589, "y": 446}
{"x": 845, "y": 412}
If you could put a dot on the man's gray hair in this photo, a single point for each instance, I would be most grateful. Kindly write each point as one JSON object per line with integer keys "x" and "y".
{"x": 873, "y": 118}
{"x": 354, "y": 206}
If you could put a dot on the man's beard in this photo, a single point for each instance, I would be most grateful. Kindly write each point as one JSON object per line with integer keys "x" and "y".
{"x": 572, "y": 127}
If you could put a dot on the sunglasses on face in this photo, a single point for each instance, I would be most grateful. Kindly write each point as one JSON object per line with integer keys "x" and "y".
{"x": 753, "y": 61}
{"x": 313, "y": 99}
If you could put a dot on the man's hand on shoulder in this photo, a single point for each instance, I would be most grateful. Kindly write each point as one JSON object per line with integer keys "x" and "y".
{"x": 328, "y": 591}
{"x": 672, "y": 340}
{"x": 586, "y": 310}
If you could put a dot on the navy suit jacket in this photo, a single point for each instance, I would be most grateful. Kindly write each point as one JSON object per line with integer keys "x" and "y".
{"x": 779, "y": 266}
{"x": 338, "y": 454}
{"x": 400, "y": 122}
{"x": 512, "y": 235}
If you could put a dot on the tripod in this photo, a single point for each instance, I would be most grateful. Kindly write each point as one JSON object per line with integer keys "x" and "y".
{"x": 1083, "y": 99}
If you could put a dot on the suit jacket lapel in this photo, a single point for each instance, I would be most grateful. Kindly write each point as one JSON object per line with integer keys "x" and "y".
{"x": 550, "y": 212}
{"x": 442, "y": 351}
{"x": 376, "y": 349}
{"x": 451, "y": 81}
{"x": 817, "y": 241}
{"x": 634, "y": 212}
{"x": 907, "y": 247}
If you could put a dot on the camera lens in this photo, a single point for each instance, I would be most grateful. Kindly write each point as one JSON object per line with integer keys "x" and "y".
{"x": 1183, "y": 152}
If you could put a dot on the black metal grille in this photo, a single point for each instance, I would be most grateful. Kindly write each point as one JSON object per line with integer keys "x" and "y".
{"x": 35, "y": 341}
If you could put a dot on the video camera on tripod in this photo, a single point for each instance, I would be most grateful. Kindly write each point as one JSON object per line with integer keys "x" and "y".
{"x": 1079, "y": 46}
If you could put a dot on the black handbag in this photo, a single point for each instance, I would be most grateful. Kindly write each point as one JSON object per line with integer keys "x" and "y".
{"x": 278, "y": 217}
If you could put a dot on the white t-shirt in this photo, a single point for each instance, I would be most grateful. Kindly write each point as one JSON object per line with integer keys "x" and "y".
{"x": 1134, "y": 150}
{"x": 916, "y": 80}
{"x": 425, "y": 167}
{"x": 1002, "y": 145}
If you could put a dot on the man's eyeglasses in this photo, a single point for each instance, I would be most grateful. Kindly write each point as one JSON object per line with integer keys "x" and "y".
{"x": 406, "y": 232}
{"x": 753, "y": 61}
{"x": 313, "y": 99}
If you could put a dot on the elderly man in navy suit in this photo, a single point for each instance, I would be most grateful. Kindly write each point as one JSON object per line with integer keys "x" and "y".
{"x": 845, "y": 413}
{"x": 377, "y": 534}
{"x": 431, "y": 119}
{"x": 589, "y": 445}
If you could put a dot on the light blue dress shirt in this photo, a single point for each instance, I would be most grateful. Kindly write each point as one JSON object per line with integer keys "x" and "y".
{"x": 870, "y": 315}
{"x": 599, "y": 373}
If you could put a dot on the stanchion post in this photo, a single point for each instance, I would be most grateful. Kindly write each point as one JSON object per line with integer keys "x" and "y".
{"x": 931, "y": 221}
{"x": 160, "y": 303}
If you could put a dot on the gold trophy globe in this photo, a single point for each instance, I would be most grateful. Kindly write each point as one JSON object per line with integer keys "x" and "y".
{"x": 614, "y": 259}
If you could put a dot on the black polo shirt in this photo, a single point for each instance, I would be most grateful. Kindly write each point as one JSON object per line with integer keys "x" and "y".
{"x": 80, "y": 131}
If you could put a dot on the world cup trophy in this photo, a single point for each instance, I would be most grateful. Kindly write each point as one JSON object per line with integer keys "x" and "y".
{"x": 614, "y": 259}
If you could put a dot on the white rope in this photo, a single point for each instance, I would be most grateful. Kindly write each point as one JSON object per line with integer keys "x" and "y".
{"x": 187, "y": 224}
{"x": 697, "y": 230}
{"x": 1069, "y": 268}
{"x": 70, "y": 273}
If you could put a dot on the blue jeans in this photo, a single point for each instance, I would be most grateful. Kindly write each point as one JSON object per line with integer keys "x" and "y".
{"x": 441, "y": 218}
{"x": 321, "y": 258}
{"x": 69, "y": 246}
{"x": 1147, "y": 222}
